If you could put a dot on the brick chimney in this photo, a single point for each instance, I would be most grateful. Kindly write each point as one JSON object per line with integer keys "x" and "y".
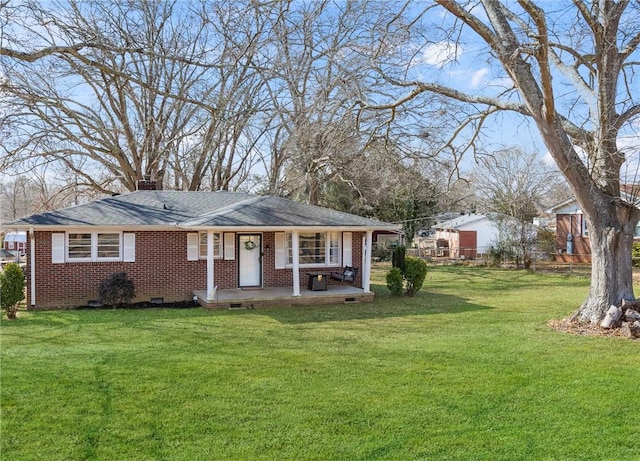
{"x": 146, "y": 183}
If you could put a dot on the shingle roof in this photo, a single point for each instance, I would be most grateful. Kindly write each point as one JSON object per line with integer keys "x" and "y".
{"x": 196, "y": 209}
{"x": 461, "y": 221}
{"x": 277, "y": 211}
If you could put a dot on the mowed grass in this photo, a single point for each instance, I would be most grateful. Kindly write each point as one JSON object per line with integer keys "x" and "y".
{"x": 467, "y": 370}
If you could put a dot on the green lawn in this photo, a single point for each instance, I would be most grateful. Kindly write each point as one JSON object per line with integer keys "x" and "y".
{"x": 467, "y": 370}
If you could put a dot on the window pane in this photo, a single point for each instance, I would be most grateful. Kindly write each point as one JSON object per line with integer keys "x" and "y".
{"x": 216, "y": 245}
{"x": 203, "y": 245}
{"x": 312, "y": 248}
{"x": 79, "y": 246}
{"x": 334, "y": 248}
{"x": 108, "y": 245}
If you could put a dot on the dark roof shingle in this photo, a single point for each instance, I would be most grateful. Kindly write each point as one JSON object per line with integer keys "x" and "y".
{"x": 197, "y": 209}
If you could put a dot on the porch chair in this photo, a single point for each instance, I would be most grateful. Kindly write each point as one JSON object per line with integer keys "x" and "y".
{"x": 347, "y": 275}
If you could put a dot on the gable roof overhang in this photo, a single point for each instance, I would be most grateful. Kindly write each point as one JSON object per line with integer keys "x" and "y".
{"x": 569, "y": 206}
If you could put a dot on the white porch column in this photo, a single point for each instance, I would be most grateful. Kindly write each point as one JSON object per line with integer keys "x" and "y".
{"x": 32, "y": 263}
{"x": 366, "y": 273}
{"x": 295, "y": 250}
{"x": 211, "y": 292}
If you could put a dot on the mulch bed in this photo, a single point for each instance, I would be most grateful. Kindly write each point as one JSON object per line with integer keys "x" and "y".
{"x": 148, "y": 305}
{"x": 584, "y": 329}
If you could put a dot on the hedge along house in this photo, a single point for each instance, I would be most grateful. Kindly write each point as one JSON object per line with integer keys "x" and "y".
{"x": 225, "y": 248}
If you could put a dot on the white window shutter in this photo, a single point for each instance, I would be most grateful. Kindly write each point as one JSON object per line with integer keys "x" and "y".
{"x": 229, "y": 245}
{"x": 57, "y": 248}
{"x": 193, "y": 246}
{"x": 280, "y": 250}
{"x": 347, "y": 258}
{"x": 129, "y": 247}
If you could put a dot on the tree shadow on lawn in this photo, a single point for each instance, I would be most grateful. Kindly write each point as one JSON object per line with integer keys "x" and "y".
{"x": 384, "y": 306}
{"x": 499, "y": 280}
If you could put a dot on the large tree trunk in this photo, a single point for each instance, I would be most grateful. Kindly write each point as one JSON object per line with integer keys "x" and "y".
{"x": 611, "y": 235}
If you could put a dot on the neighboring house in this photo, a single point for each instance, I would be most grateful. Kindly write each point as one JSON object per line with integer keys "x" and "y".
{"x": 7, "y": 256}
{"x": 466, "y": 236}
{"x": 175, "y": 245}
{"x": 572, "y": 234}
{"x": 15, "y": 241}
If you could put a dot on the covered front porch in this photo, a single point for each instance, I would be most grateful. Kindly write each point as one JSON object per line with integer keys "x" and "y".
{"x": 240, "y": 298}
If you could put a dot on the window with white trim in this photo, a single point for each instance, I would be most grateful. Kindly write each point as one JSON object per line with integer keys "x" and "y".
{"x": 217, "y": 247}
{"x": 94, "y": 246}
{"x": 316, "y": 248}
{"x": 108, "y": 245}
{"x": 79, "y": 246}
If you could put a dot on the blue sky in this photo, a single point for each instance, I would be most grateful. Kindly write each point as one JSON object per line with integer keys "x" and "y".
{"x": 461, "y": 61}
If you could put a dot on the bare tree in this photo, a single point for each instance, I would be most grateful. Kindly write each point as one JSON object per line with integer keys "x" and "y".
{"x": 514, "y": 183}
{"x": 164, "y": 89}
{"x": 511, "y": 186}
{"x": 573, "y": 70}
{"x": 320, "y": 65}
{"x": 36, "y": 193}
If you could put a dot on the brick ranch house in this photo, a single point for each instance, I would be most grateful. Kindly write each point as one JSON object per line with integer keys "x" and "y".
{"x": 572, "y": 233}
{"x": 15, "y": 241}
{"x": 212, "y": 245}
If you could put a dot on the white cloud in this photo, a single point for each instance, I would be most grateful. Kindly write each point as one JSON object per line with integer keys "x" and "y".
{"x": 477, "y": 78}
{"x": 548, "y": 159}
{"x": 441, "y": 54}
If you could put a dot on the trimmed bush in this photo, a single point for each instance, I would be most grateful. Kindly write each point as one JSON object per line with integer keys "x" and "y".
{"x": 394, "y": 281}
{"x": 399, "y": 257}
{"x": 11, "y": 289}
{"x": 414, "y": 274}
{"x": 116, "y": 290}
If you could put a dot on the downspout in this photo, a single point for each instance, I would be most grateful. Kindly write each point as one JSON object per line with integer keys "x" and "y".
{"x": 211, "y": 289}
{"x": 366, "y": 274}
{"x": 32, "y": 263}
{"x": 295, "y": 249}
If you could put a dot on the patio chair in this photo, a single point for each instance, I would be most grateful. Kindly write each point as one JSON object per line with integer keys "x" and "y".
{"x": 347, "y": 275}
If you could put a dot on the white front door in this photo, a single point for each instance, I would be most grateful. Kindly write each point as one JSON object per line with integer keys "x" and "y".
{"x": 250, "y": 260}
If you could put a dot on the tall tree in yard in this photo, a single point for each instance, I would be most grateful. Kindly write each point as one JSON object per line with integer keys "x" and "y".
{"x": 572, "y": 70}
{"x": 314, "y": 76}
{"x": 112, "y": 91}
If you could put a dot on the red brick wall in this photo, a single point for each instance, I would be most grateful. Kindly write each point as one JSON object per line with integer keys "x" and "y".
{"x": 572, "y": 223}
{"x": 17, "y": 246}
{"x": 160, "y": 270}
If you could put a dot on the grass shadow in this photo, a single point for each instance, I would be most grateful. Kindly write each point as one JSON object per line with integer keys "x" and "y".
{"x": 492, "y": 280}
{"x": 384, "y": 306}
